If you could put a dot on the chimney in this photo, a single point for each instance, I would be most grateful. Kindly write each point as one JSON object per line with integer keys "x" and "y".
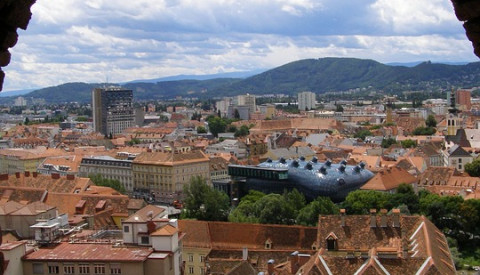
{"x": 17, "y": 174}
{"x": 342, "y": 216}
{"x": 4, "y": 177}
{"x": 27, "y": 173}
{"x": 383, "y": 217}
{"x": 373, "y": 218}
{"x": 396, "y": 217}
{"x": 151, "y": 227}
{"x": 55, "y": 176}
{"x": 270, "y": 267}
{"x": 70, "y": 177}
{"x": 245, "y": 254}
{"x": 294, "y": 262}
{"x": 34, "y": 174}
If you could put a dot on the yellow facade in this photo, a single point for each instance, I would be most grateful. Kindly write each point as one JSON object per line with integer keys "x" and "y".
{"x": 195, "y": 260}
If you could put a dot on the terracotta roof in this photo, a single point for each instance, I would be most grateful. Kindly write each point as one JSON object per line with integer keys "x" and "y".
{"x": 89, "y": 252}
{"x": 166, "y": 230}
{"x": 51, "y": 184}
{"x": 416, "y": 246}
{"x": 388, "y": 179}
{"x": 145, "y": 214}
{"x": 33, "y": 209}
{"x": 223, "y": 235}
{"x": 435, "y": 175}
{"x": 167, "y": 158}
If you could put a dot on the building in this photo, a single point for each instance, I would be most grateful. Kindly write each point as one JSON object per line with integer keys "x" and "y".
{"x": 112, "y": 110}
{"x": 20, "y": 160}
{"x": 234, "y": 147}
{"x": 306, "y": 101}
{"x": 18, "y": 217}
{"x": 166, "y": 173}
{"x": 158, "y": 250}
{"x": 108, "y": 168}
{"x": 463, "y": 99}
{"x": 457, "y": 157}
{"x": 376, "y": 244}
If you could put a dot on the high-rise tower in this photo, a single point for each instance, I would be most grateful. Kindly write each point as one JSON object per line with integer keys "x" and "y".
{"x": 112, "y": 110}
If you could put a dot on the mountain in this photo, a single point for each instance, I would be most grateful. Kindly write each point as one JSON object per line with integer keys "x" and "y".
{"x": 316, "y": 75}
{"x": 15, "y": 93}
{"x": 243, "y": 74}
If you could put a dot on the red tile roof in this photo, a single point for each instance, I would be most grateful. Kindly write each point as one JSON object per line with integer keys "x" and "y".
{"x": 89, "y": 252}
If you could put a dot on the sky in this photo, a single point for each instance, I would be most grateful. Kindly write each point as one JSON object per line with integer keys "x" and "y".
{"x": 99, "y": 41}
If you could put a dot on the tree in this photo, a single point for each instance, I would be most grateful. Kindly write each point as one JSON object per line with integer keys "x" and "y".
{"x": 27, "y": 121}
{"x": 361, "y": 201}
{"x": 431, "y": 122}
{"x": 362, "y": 134}
{"x": 201, "y": 130}
{"x": 202, "y": 202}
{"x": 216, "y": 125}
{"x": 274, "y": 209}
{"x": 308, "y": 215}
{"x": 339, "y": 108}
{"x": 473, "y": 168}
{"x": 98, "y": 180}
{"x": 387, "y": 142}
{"x": 243, "y": 131}
{"x": 424, "y": 131}
{"x": 405, "y": 195}
{"x": 408, "y": 143}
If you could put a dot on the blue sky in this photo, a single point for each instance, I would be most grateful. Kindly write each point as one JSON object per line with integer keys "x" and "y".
{"x": 96, "y": 40}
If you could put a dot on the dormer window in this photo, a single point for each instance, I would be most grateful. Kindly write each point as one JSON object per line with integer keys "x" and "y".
{"x": 331, "y": 242}
{"x": 314, "y": 246}
{"x": 268, "y": 244}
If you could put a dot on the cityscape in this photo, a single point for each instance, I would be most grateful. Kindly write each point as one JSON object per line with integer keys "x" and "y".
{"x": 332, "y": 165}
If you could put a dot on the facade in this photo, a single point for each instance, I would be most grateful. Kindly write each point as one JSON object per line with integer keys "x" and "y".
{"x": 457, "y": 157}
{"x": 229, "y": 146}
{"x": 168, "y": 172}
{"x": 113, "y": 110}
{"x": 463, "y": 99}
{"x": 306, "y": 101}
{"x": 108, "y": 168}
{"x": 21, "y": 160}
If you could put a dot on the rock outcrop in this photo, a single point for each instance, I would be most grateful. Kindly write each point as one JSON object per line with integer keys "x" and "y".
{"x": 468, "y": 11}
{"x": 14, "y": 14}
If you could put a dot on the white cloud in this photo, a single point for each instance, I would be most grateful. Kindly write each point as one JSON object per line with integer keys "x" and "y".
{"x": 90, "y": 40}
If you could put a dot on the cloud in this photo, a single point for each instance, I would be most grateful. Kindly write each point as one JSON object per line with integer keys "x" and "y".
{"x": 91, "y": 40}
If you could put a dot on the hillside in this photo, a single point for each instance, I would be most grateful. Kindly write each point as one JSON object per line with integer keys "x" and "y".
{"x": 316, "y": 75}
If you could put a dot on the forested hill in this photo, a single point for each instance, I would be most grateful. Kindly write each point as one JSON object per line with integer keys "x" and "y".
{"x": 317, "y": 75}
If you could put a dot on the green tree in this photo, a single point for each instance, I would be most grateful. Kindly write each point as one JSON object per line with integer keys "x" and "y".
{"x": 361, "y": 201}
{"x": 424, "y": 131}
{"x": 203, "y": 202}
{"x": 243, "y": 131}
{"x": 216, "y": 125}
{"x": 362, "y": 134}
{"x": 274, "y": 209}
{"x": 405, "y": 195}
{"x": 308, "y": 215}
{"x": 431, "y": 122}
{"x": 408, "y": 143}
{"x": 201, "y": 130}
{"x": 98, "y": 180}
{"x": 387, "y": 142}
{"x": 27, "y": 121}
{"x": 473, "y": 168}
{"x": 339, "y": 108}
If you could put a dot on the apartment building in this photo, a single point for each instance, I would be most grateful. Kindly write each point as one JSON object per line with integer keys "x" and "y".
{"x": 168, "y": 171}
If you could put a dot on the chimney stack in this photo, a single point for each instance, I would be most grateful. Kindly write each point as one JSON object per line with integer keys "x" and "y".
{"x": 34, "y": 174}
{"x": 294, "y": 262}
{"x": 342, "y": 216}
{"x": 396, "y": 217}
{"x": 55, "y": 176}
{"x": 27, "y": 173}
{"x": 245, "y": 254}
{"x": 373, "y": 218}
{"x": 70, "y": 177}
{"x": 270, "y": 267}
{"x": 17, "y": 174}
{"x": 383, "y": 217}
{"x": 4, "y": 177}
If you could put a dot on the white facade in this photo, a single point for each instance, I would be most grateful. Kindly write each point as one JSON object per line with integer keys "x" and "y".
{"x": 306, "y": 101}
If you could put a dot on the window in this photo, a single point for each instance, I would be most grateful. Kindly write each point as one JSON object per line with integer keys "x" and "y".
{"x": 115, "y": 269}
{"x": 84, "y": 268}
{"x": 53, "y": 269}
{"x": 126, "y": 228}
{"x": 331, "y": 244}
{"x": 459, "y": 160}
{"x": 190, "y": 257}
{"x": 99, "y": 269}
{"x": 190, "y": 270}
{"x": 144, "y": 240}
{"x": 202, "y": 259}
{"x": 69, "y": 269}
{"x": 37, "y": 268}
